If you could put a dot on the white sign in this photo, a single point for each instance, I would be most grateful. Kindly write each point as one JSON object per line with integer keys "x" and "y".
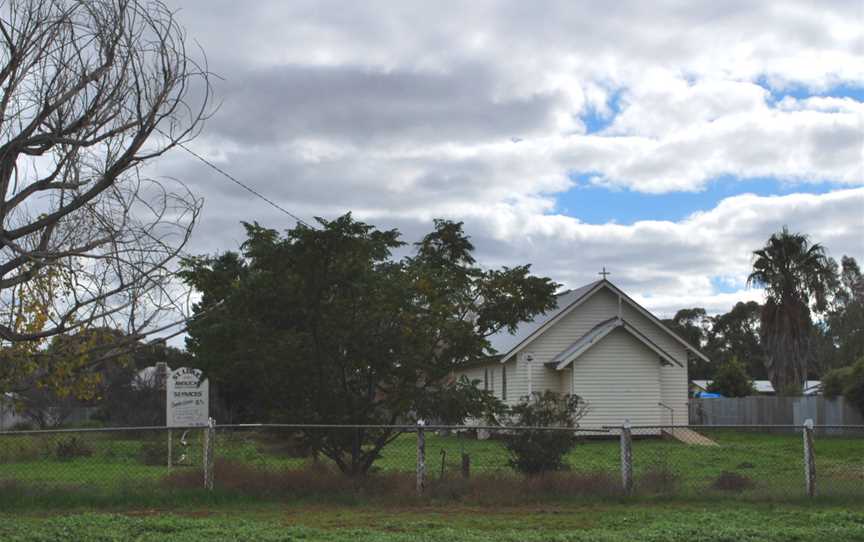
{"x": 188, "y": 398}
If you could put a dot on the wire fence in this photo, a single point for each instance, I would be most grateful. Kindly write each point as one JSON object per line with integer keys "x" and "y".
{"x": 465, "y": 462}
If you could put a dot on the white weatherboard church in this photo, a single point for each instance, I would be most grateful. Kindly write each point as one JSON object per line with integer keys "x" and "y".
{"x": 598, "y": 344}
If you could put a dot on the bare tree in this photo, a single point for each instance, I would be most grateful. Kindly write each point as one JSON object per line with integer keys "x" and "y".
{"x": 90, "y": 92}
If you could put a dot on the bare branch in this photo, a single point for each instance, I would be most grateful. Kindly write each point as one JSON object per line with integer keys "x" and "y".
{"x": 90, "y": 92}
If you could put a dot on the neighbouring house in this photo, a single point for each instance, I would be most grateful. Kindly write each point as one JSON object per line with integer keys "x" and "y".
{"x": 699, "y": 388}
{"x": 598, "y": 344}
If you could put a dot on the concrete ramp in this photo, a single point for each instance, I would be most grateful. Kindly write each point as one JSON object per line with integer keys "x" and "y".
{"x": 689, "y": 436}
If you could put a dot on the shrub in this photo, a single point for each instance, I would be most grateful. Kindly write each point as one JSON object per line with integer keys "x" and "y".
{"x": 732, "y": 380}
{"x": 854, "y": 389}
{"x": 834, "y": 381}
{"x": 537, "y": 451}
{"x": 69, "y": 448}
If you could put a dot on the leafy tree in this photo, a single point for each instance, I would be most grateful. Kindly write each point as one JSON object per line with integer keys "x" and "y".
{"x": 843, "y": 328}
{"x": 129, "y": 393}
{"x": 732, "y": 380}
{"x": 721, "y": 337}
{"x": 95, "y": 367}
{"x": 835, "y": 380}
{"x": 735, "y": 334}
{"x": 797, "y": 277}
{"x": 693, "y": 325}
{"x": 854, "y": 389}
{"x": 323, "y": 325}
{"x": 536, "y": 451}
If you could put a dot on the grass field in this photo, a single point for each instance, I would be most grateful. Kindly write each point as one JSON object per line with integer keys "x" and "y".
{"x": 764, "y": 465}
{"x": 667, "y": 522}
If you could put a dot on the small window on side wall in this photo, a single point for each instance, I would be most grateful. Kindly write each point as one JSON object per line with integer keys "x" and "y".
{"x": 485, "y": 379}
{"x": 503, "y": 382}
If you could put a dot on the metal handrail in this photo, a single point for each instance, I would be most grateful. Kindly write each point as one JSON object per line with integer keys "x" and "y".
{"x": 671, "y": 412}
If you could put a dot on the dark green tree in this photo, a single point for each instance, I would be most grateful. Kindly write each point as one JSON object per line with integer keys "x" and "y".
{"x": 843, "y": 327}
{"x": 834, "y": 381}
{"x": 323, "y": 325}
{"x": 736, "y": 334}
{"x": 853, "y": 391}
{"x": 732, "y": 380}
{"x": 797, "y": 278}
{"x": 693, "y": 325}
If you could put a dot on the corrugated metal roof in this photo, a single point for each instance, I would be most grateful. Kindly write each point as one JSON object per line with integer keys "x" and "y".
{"x": 503, "y": 341}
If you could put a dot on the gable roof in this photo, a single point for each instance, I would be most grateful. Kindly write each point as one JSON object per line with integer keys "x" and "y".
{"x": 601, "y": 330}
{"x": 508, "y": 345}
{"x": 505, "y": 343}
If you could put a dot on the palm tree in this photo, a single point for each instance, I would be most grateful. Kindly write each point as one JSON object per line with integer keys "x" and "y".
{"x": 797, "y": 277}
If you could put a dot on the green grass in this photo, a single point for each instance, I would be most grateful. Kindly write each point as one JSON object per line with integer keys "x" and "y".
{"x": 719, "y": 522}
{"x": 772, "y": 463}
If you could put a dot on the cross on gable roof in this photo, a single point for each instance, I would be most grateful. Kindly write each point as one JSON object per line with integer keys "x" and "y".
{"x": 508, "y": 345}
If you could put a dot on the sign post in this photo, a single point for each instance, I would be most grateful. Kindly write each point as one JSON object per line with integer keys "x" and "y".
{"x": 188, "y": 399}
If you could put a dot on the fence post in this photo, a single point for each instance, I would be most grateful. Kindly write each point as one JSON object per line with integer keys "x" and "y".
{"x": 421, "y": 457}
{"x": 809, "y": 459}
{"x": 466, "y": 465}
{"x": 466, "y": 459}
{"x": 626, "y": 459}
{"x": 209, "y": 443}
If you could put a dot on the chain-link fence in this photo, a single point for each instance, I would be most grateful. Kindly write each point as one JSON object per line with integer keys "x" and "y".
{"x": 104, "y": 459}
{"x": 477, "y": 463}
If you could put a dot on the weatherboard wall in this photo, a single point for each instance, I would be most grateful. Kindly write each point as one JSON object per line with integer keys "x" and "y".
{"x": 623, "y": 377}
{"x": 619, "y": 377}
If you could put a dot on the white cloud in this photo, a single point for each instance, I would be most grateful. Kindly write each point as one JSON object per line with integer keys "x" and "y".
{"x": 405, "y": 111}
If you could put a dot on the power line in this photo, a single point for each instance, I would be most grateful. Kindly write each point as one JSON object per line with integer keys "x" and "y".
{"x": 245, "y": 186}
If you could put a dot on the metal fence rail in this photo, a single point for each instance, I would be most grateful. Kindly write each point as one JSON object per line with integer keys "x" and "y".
{"x": 754, "y": 462}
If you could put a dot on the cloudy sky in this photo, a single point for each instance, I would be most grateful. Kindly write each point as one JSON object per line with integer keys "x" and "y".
{"x": 665, "y": 141}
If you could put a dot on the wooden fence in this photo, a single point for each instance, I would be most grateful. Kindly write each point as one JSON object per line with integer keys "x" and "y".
{"x": 758, "y": 410}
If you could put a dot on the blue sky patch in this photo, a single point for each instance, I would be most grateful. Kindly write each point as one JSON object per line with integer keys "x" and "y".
{"x": 723, "y": 285}
{"x": 596, "y": 122}
{"x": 845, "y": 90}
{"x": 600, "y": 204}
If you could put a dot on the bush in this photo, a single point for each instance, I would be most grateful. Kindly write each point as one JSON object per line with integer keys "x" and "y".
{"x": 854, "y": 389}
{"x": 834, "y": 381}
{"x": 69, "y": 448}
{"x": 732, "y": 380}
{"x": 534, "y": 452}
